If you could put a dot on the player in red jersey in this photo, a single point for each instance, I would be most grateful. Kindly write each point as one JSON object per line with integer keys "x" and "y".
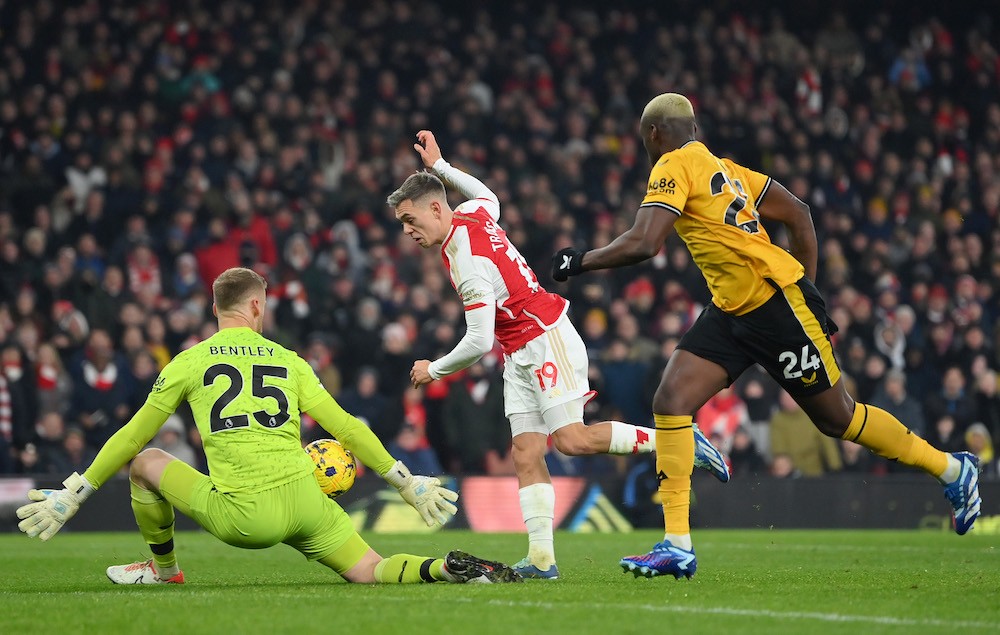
{"x": 545, "y": 360}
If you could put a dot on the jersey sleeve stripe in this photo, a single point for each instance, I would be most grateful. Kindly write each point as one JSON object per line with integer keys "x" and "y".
{"x": 447, "y": 240}
{"x": 665, "y": 206}
{"x": 763, "y": 192}
{"x": 477, "y": 305}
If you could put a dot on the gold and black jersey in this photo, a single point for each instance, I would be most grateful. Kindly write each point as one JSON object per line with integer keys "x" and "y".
{"x": 716, "y": 201}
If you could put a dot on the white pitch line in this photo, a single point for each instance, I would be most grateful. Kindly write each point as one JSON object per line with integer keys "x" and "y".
{"x": 715, "y": 544}
{"x": 720, "y": 610}
{"x": 653, "y": 608}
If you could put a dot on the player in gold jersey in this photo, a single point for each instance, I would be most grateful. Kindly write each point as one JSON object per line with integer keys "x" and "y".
{"x": 246, "y": 394}
{"x": 765, "y": 309}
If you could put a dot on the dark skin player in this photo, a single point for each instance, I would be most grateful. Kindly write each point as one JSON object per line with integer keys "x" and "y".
{"x": 689, "y": 381}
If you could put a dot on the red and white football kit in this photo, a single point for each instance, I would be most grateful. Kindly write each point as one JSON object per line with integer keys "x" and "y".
{"x": 545, "y": 360}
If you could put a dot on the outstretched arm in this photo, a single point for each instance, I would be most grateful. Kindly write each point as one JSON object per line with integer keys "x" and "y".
{"x": 423, "y": 493}
{"x": 781, "y": 205}
{"x": 641, "y": 242}
{"x": 480, "y": 325}
{"x": 125, "y": 444}
{"x": 355, "y": 436}
{"x": 465, "y": 184}
{"x": 51, "y": 509}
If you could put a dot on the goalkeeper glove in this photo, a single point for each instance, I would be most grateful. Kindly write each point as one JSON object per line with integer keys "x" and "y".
{"x": 52, "y": 508}
{"x": 567, "y": 262}
{"x": 424, "y": 493}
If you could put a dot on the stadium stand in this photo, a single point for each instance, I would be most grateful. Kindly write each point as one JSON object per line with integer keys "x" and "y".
{"x": 146, "y": 147}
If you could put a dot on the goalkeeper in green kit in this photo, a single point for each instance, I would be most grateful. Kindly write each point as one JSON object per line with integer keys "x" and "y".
{"x": 246, "y": 393}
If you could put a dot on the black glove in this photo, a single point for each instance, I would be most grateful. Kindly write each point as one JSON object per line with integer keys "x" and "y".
{"x": 566, "y": 263}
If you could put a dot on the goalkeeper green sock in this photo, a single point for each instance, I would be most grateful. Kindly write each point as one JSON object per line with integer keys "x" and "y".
{"x": 155, "y": 517}
{"x": 403, "y": 568}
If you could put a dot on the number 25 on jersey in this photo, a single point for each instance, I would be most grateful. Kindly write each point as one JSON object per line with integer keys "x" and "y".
{"x": 220, "y": 421}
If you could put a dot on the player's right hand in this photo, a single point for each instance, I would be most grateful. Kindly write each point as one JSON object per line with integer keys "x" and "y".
{"x": 52, "y": 508}
{"x": 427, "y": 148}
{"x": 424, "y": 493}
{"x": 567, "y": 262}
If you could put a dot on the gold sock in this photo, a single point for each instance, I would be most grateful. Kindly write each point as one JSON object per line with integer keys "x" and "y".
{"x": 884, "y": 435}
{"x": 674, "y": 464}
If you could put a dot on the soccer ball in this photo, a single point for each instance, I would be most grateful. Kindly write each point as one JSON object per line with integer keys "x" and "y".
{"x": 336, "y": 466}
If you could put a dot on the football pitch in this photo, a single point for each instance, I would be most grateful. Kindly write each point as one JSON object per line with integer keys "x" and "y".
{"x": 749, "y": 581}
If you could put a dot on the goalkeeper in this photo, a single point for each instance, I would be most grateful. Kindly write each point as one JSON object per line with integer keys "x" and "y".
{"x": 246, "y": 393}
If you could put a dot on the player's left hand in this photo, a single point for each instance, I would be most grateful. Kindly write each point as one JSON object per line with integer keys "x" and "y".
{"x": 567, "y": 262}
{"x": 427, "y": 148}
{"x": 52, "y": 508}
{"x": 420, "y": 373}
{"x": 424, "y": 493}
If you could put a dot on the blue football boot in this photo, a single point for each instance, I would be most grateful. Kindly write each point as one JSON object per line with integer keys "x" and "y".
{"x": 663, "y": 559}
{"x": 708, "y": 457}
{"x": 963, "y": 492}
{"x": 529, "y": 571}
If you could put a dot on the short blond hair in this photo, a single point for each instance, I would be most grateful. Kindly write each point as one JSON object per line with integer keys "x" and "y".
{"x": 233, "y": 286}
{"x": 668, "y": 106}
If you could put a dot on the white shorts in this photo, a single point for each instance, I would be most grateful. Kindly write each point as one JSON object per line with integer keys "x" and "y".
{"x": 547, "y": 378}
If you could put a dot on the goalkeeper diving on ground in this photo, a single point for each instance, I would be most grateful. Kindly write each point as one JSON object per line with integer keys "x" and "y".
{"x": 246, "y": 394}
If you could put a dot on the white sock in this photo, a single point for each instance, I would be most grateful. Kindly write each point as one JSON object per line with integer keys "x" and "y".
{"x": 681, "y": 542}
{"x": 165, "y": 573}
{"x": 538, "y": 504}
{"x": 953, "y": 470}
{"x": 629, "y": 439}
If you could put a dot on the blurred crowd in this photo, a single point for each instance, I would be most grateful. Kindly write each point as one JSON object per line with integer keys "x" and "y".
{"x": 147, "y": 146}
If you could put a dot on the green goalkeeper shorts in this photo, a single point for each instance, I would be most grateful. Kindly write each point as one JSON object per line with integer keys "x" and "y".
{"x": 297, "y": 513}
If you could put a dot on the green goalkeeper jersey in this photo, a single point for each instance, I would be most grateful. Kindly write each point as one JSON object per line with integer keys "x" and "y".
{"x": 246, "y": 395}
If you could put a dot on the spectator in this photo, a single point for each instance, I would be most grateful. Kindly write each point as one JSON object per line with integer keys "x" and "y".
{"x": 979, "y": 442}
{"x": 395, "y": 359}
{"x": 988, "y": 403}
{"x": 76, "y": 455}
{"x": 53, "y": 383}
{"x": 28, "y": 460}
{"x": 859, "y": 460}
{"x": 893, "y": 398}
{"x": 18, "y": 395}
{"x": 952, "y": 401}
{"x": 946, "y": 435}
{"x": 102, "y": 389}
{"x": 641, "y": 349}
{"x": 760, "y": 394}
{"x": 233, "y": 151}
{"x": 320, "y": 355}
{"x": 172, "y": 438}
{"x": 623, "y": 382}
{"x": 410, "y": 442}
{"x": 50, "y": 433}
{"x": 722, "y": 416}
{"x": 474, "y": 421}
{"x": 156, "y": 341}
{"x": 794, "y": 436}
{"x": 782, "y": 466}
{"x": 102, "y": 307}
{"x": 364, "y": 402}
{"x": 744, "y": 459}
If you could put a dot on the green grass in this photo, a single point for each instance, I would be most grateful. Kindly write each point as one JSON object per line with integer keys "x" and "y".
{"x": 748, "y": 582}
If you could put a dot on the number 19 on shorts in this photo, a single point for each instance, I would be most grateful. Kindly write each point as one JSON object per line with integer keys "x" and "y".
{"x": 547, "y": 374}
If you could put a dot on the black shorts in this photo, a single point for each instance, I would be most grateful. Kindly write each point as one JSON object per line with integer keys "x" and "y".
{"x": 789, "y": 335}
